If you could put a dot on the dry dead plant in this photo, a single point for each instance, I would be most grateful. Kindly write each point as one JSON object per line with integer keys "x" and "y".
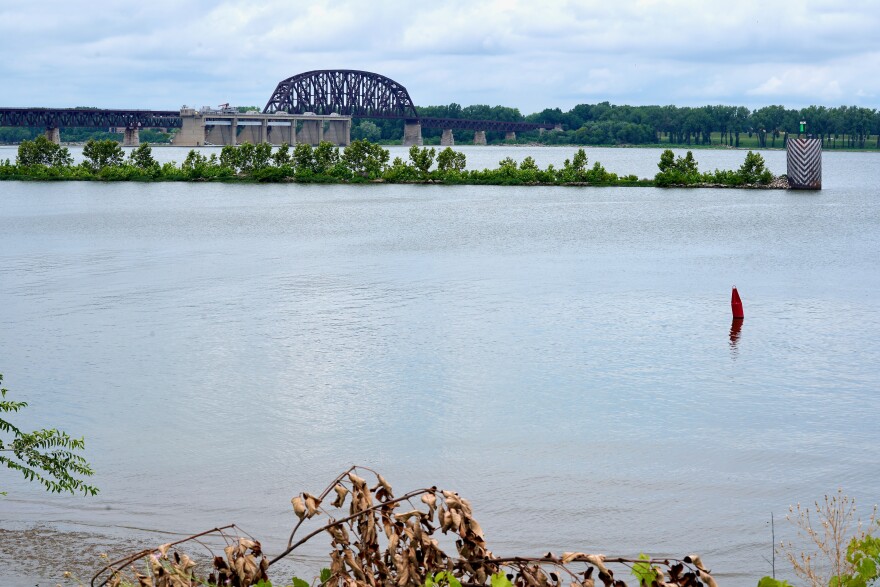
{"x": 826, "y": 529}
{"x": 374, "y": 544}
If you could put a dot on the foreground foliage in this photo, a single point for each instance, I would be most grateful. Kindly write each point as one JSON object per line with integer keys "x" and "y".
{"x": 360, "y": 162}
{"x": 836, "y": 549}
{"x": 49, "y": 457}
{"x": 375, "y": 544}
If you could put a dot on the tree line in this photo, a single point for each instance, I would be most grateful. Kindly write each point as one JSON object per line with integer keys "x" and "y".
{"x": 849, "y": 127}
{"x": 359, "y": 162}
{"x": 608, "y": 124}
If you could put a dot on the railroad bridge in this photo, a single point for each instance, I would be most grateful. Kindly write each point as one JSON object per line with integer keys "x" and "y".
{"x": 309, "y": 107}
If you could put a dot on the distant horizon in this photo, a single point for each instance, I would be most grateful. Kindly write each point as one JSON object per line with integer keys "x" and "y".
{"x": 496, "y": 52}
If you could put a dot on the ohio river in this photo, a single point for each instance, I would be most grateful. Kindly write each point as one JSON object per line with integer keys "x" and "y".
{"x": 563, "y": 357}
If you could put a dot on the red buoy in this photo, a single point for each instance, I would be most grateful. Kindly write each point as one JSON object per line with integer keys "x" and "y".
{"x": 736, "y": 305}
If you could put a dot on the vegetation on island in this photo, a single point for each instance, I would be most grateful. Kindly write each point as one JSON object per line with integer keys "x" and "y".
{"x": 48, "y": 456}
{"x": 359, "y": 162}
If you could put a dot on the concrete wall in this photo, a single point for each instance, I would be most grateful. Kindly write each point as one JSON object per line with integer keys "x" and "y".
{"x": 220, "y": 128}
{"x": 338, "y": 132}
{"x": 312, "y": 132}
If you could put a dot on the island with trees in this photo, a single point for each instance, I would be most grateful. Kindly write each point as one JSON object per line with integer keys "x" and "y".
{"x": 359, "y": 162}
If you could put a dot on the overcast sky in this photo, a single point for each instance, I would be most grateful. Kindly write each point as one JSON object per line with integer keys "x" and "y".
{"x": 161, "y": 54}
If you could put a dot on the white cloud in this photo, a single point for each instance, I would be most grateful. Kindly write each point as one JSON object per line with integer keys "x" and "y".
{"x": 514, "y": 52}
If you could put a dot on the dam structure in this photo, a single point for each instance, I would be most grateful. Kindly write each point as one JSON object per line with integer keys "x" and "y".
{"x": 207, "y": 127}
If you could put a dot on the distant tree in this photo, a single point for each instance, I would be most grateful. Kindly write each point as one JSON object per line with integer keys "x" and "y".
{"x": 47, "y": 456}
{"x": 367, "y": 130}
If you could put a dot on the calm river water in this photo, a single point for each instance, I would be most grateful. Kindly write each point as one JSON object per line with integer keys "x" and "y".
{"x": 563, "y": 357}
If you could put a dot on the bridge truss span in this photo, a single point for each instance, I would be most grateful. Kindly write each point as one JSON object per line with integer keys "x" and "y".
{"x": 347, "y": 92}
{"x": 484, "y": 125}
{"x": 86, "y": 117}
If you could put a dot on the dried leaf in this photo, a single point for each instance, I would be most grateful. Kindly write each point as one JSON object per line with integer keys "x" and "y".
{"x": 385, "y": 485}
{"x": 568, "y": 557}
{"x": 299, "y": 507}
{"x": 599, "y": 561}
{"x": 358, "y": 482}
{"x": 164, "y": 549}
{"x": 707, "y": 578}
{"x": 341, "y": 492}
{"x": 312, "y": 504}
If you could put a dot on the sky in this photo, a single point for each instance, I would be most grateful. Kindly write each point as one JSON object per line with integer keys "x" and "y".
{"x": 160, "y": 54}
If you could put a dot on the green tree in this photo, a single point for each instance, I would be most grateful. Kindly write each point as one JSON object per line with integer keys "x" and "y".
{"x": 281, "y": 158}
{"x": 449, "y": 160}
{"x": 195, "y": 166}
{"x": 326, "y": 157}
{"x": 753, "y": 170}
{"x": 42, "y": 151}
{"x": 304, "y": 158}
{"x": 422, "y": 159}
{"x": 48, "y": 456}
{"x": 101, "y": 154}
{"x": 142, "y": 157}
{"x": 365, "y": 158}
{"x": 229, "y": 158}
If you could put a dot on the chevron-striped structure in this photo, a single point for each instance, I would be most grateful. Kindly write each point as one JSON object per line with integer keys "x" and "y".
{"x": 804, "y": 164}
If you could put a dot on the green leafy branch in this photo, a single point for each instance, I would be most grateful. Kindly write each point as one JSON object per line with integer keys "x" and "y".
{"x": 48, "y": 456}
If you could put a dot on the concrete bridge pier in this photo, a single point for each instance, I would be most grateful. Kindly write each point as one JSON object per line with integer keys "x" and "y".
{"x": 447, "y": 139}
{"x": 192, "y": 129}
{"x": 510, "y": 136}
{"x": 338, "y": 132}
{"x": 412, "y": 133}
{"x": 54, "y": 135}
{"x": 480, "y": 137}
{"x": 312, "y": 132}
{"x": 131, "y": 137}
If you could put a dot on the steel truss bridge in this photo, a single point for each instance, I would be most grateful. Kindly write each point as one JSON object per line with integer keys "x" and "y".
{"x": 92, "y": 118}
{"x": 363, "y": 94}
{"x": 344, "y": 92}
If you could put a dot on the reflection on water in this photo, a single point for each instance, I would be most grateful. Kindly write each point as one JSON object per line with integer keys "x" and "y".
{"x": 551, "y": 353}
{"x": 735, "y": 328}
